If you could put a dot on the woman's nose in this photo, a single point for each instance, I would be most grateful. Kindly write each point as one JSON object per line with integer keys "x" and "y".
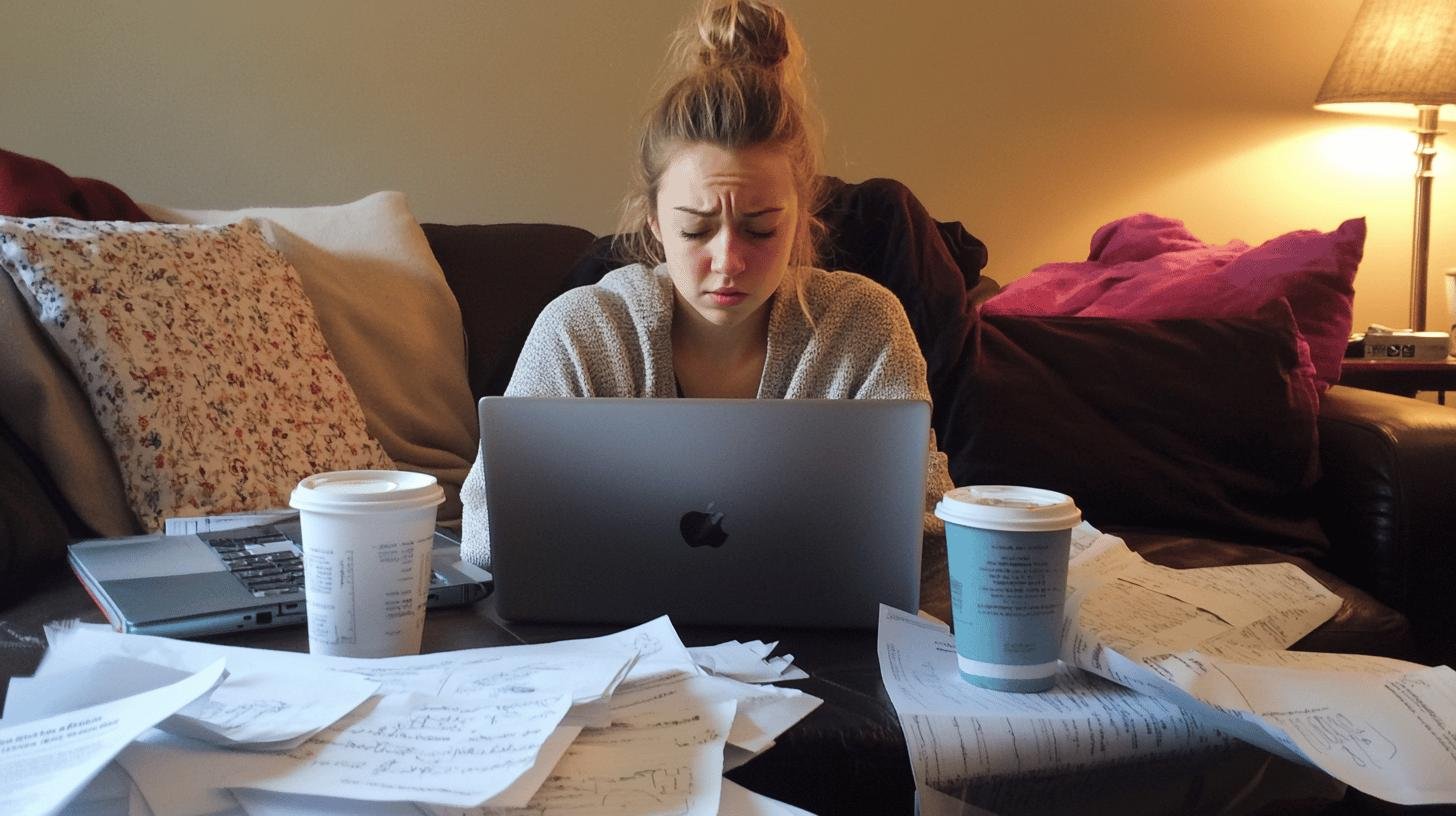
{"x": 727, "y": 254}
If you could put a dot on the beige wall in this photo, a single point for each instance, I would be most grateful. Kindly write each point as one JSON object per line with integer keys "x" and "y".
{"x": 1032, "y": 121}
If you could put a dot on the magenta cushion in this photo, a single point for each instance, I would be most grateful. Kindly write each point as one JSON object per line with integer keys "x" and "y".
{"x": 1145, "y": 267}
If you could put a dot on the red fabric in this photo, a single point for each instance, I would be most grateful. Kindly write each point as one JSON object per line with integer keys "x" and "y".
{"x": 31, "y": 188}
{"x": 1145, "y": 267}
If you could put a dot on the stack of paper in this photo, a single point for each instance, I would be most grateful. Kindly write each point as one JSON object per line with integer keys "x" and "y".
{"x": 1180, "y": 662}
{"x": 622, "y": 723}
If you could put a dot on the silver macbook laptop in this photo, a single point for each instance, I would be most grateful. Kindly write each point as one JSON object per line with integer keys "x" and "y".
{"x": 769, "y": 512}
{"x": 208, "y": 583}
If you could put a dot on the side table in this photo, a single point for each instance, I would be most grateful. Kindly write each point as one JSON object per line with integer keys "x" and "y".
{"x": 1403, "y": 378}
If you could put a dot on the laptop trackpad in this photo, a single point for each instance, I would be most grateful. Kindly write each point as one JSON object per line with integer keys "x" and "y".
{"x": 143, "y": 557}
{"x": 185, "y": 595}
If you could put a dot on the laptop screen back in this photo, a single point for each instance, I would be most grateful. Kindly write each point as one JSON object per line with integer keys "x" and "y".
{"x": 773, "y": 512}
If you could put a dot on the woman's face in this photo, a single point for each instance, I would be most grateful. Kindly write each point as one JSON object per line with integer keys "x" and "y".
{"x": 726, "y": 220}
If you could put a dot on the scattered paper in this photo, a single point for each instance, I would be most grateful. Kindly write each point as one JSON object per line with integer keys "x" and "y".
{"x": 185, "y": 525}
{"x": 1206, "y": 643}
{"x": 748, "y": 662}
{"x": 958, "y": 733}
{"x": 409, "y": 748}
{"x": 663, "y": 762}
{"x": 48, "y": 761}
{"x": 627, "y": 721}
{"x": 762, "y": 712}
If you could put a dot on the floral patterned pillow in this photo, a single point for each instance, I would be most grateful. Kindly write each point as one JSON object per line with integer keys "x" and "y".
{"x": 200, "y": 355}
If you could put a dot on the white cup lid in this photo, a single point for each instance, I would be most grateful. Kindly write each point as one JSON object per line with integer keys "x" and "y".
{"x": 366, "y": 491}
{"x": 1008, "y": 507}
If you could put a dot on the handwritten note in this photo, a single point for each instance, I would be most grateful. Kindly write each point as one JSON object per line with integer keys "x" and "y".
{"x": 413, "y": 748}
{"x": 665, "y": 763}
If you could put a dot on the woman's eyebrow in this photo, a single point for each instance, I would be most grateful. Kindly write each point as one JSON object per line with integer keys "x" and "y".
{"x": 714, "y": 211}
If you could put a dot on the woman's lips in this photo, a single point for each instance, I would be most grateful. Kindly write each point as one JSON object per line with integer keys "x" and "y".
{"x": 727, "y": 297}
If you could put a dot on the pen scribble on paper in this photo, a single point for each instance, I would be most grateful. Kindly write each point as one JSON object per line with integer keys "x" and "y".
{"x": 1330, "y": 731}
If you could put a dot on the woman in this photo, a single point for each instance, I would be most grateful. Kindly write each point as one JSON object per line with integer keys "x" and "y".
{"x": 725, "y": 301}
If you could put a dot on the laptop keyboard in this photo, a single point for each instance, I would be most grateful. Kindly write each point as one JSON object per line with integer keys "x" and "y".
{"x": 268, "y": 564}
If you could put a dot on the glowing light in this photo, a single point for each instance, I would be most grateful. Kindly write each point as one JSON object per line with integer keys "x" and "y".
{"x": 1370, "y": 151}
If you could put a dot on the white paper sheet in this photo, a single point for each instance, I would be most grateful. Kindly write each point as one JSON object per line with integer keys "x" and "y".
{"x": 667, "y": 762}
{"x": 177, "y": 776}
{"x": 411, "y": 748}
{"x": 762, "y": 713}
{"x": 268, "y": 803}
{"x": 47, "y": 761}
{"x": 587, "y": 670}
{"x": 265, "y": 710}
{"x": 183, "y": 525}
{"x": 748, "y": 662}
{"x": 957, "y": 732}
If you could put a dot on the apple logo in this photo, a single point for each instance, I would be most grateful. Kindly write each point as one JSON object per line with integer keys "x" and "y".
{"x": 703, "y": 528}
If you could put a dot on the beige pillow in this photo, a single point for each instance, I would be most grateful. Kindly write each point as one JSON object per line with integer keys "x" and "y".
{"x": 199, "y": 354}
{"x": 390, "y": 319}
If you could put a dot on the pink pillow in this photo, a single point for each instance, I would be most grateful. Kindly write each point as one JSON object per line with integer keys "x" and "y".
{"x": 1145, "y": 267}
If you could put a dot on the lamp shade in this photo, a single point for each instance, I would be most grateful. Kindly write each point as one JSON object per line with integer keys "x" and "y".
{"x": 1399, "y": 53}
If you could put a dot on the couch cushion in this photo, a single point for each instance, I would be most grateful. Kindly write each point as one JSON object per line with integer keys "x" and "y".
{"x": 1148, "y": 267}
{"x": 1199, "y": 426}
{"x": 33, "y": 523}
{"x": 199, "y": 355}
{"x": 503, "y": 275}
{"x": 390, "y": 320}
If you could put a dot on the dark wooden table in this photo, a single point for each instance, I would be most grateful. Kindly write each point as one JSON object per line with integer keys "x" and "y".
{"x": 1403, "y": 378}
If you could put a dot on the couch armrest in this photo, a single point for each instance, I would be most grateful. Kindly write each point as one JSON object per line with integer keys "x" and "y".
{"x": 1386, "y": 502}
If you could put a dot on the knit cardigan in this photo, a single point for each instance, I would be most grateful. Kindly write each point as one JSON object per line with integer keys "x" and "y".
{"x": 846, "y": 338}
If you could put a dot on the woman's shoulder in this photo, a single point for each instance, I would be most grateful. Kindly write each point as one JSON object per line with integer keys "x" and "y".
{"x": 849, "y": 296}
{"x": 621, "y": 294}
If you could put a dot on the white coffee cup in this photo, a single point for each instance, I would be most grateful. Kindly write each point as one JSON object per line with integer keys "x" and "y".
{"x": 367, "y": 540}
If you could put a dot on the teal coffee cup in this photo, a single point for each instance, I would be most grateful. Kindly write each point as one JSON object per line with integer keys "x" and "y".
{"x": 1008, "y": 549}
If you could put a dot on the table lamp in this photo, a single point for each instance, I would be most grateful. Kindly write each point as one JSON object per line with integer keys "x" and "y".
{"x": 1401, "y": 54}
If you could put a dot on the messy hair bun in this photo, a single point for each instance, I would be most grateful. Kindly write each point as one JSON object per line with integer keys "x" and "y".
{"x": 749, "y": 33}
{"x": 735, "y": 79}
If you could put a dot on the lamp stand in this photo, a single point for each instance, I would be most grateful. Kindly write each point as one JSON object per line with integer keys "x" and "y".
{"x": 1426, "y": 134}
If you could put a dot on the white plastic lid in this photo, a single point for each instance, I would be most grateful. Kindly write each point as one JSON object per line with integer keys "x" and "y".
{"x": 1008, "y": 507}
{"x": 366, "y": 491}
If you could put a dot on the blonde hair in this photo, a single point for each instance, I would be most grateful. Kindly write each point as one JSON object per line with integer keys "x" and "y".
{"x": 735, "y": 79}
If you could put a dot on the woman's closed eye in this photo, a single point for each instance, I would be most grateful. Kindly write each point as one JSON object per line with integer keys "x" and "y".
{"x": 693, "y": 235}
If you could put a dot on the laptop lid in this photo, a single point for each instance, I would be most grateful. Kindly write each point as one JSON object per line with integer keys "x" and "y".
{"x": 219, "y": 581}
{"x": 771, "y": 512}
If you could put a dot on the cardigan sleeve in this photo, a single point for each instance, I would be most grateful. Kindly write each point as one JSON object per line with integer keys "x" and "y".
{"x": 592, "y": 341}
{"x": 868, "y": 326}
